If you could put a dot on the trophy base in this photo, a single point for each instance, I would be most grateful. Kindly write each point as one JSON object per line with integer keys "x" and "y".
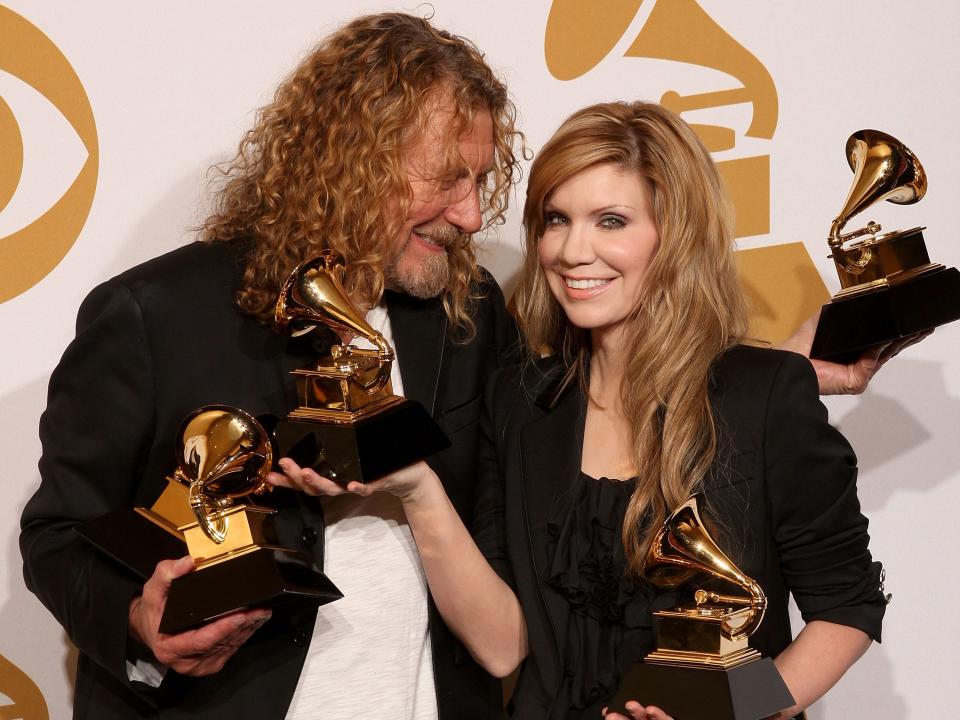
{"x": 365, "y": 449}
{"x": 134, "y": 538}
{"x": 747, "y": 692}
{"x": 265, "y": 576}
{"x": 849, "y": 326}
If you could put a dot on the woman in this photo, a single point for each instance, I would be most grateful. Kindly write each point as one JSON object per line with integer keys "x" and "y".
{"x": 644, "y": 397}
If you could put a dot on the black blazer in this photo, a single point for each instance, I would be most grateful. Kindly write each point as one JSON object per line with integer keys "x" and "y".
{"x": 783, "y": 490}
{"x": 155, "y": 343}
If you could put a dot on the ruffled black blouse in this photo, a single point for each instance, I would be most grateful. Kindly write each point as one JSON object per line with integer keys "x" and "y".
{"x": 609, "y": 624}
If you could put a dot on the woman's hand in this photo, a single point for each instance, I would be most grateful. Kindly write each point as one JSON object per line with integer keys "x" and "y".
{"x": 404, "y": 483}
{"x": 305, "y": 480}
{"x": 638, "y": 712}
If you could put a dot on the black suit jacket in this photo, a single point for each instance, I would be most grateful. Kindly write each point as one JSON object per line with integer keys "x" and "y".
{"x": 782, "y": 492}
{"x": 152, "y": 345}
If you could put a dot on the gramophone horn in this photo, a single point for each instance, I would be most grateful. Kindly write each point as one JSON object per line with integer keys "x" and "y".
{"x": 883, "y": 169}
{"x": 578, "y": 37}
{"x": 224, "y": 454}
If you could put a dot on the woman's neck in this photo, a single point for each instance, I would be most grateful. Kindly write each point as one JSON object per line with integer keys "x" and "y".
{"x": 608, "y": 361}
{"x": 607, "y": 442}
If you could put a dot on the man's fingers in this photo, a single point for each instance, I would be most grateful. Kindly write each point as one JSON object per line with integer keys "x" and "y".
{"x": 226, "y": 633}
{"x": 898, "y": 346}
{"x": 169, "y": 570}
{"x": 155, "y": 590}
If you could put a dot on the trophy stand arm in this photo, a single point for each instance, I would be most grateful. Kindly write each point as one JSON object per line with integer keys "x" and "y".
{"x": 383, "y": 355}
{"x": 844, "y": 256}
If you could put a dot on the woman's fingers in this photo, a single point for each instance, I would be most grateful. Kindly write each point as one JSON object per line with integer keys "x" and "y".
{"x": 305, "y": 480}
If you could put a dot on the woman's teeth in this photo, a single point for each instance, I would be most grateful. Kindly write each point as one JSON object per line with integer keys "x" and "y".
{"x": 585, "y": 284}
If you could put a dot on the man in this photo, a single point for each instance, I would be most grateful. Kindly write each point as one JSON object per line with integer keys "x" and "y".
{"x": 391, "y": 143}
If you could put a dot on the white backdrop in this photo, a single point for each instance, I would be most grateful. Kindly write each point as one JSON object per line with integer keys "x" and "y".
{"x": 172, "y": 86}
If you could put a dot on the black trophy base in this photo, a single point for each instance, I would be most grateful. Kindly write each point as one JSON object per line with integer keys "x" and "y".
{"x": 365, "y": 450}
{"x": 748, "y": 692}
{"x": 262, "y": 577}
{"x": 848, "y": 327}
{"x": 133, "y": 540}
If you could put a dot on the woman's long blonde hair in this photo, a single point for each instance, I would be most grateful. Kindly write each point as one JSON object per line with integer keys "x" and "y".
{"x": 691, "y": 308}
{"x": 323, "y": 166}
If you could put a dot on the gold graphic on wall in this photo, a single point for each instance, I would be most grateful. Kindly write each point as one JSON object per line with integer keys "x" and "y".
{"x": 11, "y": 154}
{"x": 579, "y": 35}
{"x": 25, "y": 699}
{"x": 30, "y": 253}
{"x": 783, "y": 287}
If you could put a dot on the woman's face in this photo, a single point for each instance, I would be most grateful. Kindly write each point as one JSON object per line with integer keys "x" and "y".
{"x": 598, "y": 240}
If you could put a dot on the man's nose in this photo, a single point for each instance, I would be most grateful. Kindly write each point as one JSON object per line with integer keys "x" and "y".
{"x": 464, "y": 213}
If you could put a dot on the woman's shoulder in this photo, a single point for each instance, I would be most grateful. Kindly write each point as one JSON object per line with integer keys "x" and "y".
{"x": 745, "y": 367}
{"x": 749, "y": 386}
{"x": 528, "y": 383}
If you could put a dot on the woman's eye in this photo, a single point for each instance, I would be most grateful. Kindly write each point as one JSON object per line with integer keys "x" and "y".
{"x": 612, "y": 221}
{"x": 553, "y": 218}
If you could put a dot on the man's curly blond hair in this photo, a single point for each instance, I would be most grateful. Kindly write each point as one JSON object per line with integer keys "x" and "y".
{"x": 323, "y": 166}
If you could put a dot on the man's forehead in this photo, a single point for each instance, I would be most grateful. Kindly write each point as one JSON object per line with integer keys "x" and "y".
{"x": 434, "y": 146}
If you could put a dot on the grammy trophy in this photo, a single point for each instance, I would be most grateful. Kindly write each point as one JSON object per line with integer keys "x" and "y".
{"x": 349, "y": 424}
{"x": 209, "y": 509}
{"x": 889, "y": 287}
{"x": 703, "y": 668}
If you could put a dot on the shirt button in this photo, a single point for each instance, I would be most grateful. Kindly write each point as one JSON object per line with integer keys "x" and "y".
{"x": 300, "y": 638}
{"x": 309, "y": 536}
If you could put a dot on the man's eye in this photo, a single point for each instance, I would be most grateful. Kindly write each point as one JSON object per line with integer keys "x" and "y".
{"x": 612, "y": 221}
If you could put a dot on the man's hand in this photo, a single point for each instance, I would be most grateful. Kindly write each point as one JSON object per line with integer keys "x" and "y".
{"x": 836, "y": 378}
{"x": 199, "y": 652}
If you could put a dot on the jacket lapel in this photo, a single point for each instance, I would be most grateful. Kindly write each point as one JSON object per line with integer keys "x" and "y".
{"x": 419, "y": 333}
{"x": 550, "y": 457}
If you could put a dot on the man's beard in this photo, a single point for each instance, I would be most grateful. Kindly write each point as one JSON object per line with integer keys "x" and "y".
{"x": 432, "y": 276}
{"x": 427, "y": 281}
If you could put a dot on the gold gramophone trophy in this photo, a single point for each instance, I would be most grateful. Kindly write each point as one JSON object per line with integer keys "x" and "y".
{"x": 223, "y": 457}
{"x": 349, "y": 425}
{"x": 889, "y": 287}
{"x": 703, "y": 667}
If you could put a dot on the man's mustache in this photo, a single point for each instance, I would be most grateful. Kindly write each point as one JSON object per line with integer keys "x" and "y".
{"x": 446, "y": 236}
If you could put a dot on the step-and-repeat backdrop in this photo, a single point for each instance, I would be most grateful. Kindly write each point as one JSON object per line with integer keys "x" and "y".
{"x": 111, "y": 112}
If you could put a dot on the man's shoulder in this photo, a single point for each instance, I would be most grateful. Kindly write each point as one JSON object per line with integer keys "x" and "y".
{"x": 196, "y": 283}
{"x": 486, "y": 292}
{"x": 199, "y": 263}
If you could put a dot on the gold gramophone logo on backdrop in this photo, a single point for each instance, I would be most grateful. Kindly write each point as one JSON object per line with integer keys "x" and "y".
{"x": 579, "y": 35}
{"x": 36, "y": 231}
{"x": 20, "y": 698}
